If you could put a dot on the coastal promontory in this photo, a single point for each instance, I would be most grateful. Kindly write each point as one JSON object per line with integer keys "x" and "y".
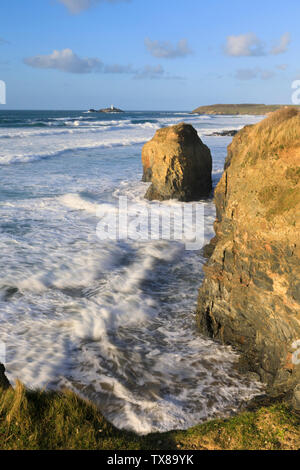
{"x": 250, "y": 297}
{"x": 236, "y": 109}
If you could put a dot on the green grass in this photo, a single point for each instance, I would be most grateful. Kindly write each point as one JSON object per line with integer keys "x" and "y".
{"x": 50, "y": 420}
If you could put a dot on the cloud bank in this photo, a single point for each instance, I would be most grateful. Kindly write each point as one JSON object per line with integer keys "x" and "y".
{"x": 166, "y": 50}
{"x": 76, "y": 6}
{"x": 67, "y": 61}
{"x": 244, "y": 45}
{"x": 247, "y": 45}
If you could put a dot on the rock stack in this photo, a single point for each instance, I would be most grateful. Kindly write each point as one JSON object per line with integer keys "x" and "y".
{"x": 178, "y": 165}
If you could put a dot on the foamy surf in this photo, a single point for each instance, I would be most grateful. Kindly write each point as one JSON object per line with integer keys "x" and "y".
{"x": 113, "y": 320}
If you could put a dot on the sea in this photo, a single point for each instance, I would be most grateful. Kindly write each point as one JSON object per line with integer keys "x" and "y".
{"x": 112, "y": 319}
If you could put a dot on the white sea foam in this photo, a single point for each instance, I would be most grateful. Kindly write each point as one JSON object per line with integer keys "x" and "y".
{"x": 32, "y": 144}
{"x": 112, "y": 320}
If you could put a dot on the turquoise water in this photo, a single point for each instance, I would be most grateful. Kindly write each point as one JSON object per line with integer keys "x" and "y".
{"x": 113, "y": 320}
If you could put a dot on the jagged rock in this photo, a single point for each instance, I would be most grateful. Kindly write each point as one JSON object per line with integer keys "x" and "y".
{"x": 4, "y": 383}
{"x": 178, "y": 164}
{"x": 250, "y": 297}
{"x": 230, "y": 133}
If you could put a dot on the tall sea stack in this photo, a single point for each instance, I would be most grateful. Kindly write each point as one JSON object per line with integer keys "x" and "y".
{"x": 178, "y": 165}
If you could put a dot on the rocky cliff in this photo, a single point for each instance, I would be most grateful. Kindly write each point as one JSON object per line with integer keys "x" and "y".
{"x": 178, "y": 164}
{"x": 4, "y": 383}
{"x": 250, "y": 297}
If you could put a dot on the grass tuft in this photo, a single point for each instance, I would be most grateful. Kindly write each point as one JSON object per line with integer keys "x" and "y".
{"x": 51, "y": 420}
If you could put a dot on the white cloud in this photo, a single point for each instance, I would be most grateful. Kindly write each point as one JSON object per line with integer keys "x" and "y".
{"x": 166, "y": 50}
{"x": 244, "y": 45}
{"x": 150, "y": 72}
{"x": 76, "y": 6}
{"x": 250, "y": 74}
{"x": 65, "y": 61}
{"x": 282, "y": 45}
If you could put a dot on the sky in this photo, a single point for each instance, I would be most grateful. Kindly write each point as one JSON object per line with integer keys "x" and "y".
{"x": 147, "y": 54}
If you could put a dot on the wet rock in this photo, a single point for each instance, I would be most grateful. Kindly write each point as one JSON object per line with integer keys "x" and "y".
{"x": 178, "y": 165}
{"x": 4, "y": 383}
{"x": 230, "y": 133}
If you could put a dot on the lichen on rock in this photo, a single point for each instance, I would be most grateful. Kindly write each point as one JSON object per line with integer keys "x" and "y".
{"x": 250, "y": 297}
{"x": 178, "y": 165}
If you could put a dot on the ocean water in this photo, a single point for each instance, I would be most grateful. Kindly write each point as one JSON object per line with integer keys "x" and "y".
{"x": 112, "y": 320}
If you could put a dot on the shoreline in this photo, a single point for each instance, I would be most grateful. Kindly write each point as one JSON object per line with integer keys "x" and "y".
{"x": 199, "y": 430}
{"x": 39, "y": 420}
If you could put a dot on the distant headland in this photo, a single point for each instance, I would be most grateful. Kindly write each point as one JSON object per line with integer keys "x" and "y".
{"x": 112, "y": 109}
{"x": 230, "y": 109}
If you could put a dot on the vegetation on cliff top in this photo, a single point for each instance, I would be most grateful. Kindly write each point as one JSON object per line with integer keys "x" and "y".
{"x": 276, "y": 138}
{"x": 231, "y": 109}
{"x": 49, "y": 420}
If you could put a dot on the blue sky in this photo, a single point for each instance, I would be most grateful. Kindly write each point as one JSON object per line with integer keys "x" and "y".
{"x": 142, "y": 54}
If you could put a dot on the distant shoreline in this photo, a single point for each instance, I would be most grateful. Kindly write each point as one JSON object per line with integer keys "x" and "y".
{"x": 239, "y": 109}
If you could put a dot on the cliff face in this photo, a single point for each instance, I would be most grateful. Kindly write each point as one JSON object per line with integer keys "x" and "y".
{"x": 250, "y": 297}
{"x": 4, "y": 383}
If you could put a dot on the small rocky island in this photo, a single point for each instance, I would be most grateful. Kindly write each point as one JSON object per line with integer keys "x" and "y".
{"x": 112, "y": 109}
{"x": 178, "y": 165}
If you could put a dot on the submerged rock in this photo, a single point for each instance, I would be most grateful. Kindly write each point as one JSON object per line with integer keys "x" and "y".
{"x": 178, "y": 164}
{"x": 230, "y": 133}
{"x": 4, "y": 383}
{"x": 250, "y": 297}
